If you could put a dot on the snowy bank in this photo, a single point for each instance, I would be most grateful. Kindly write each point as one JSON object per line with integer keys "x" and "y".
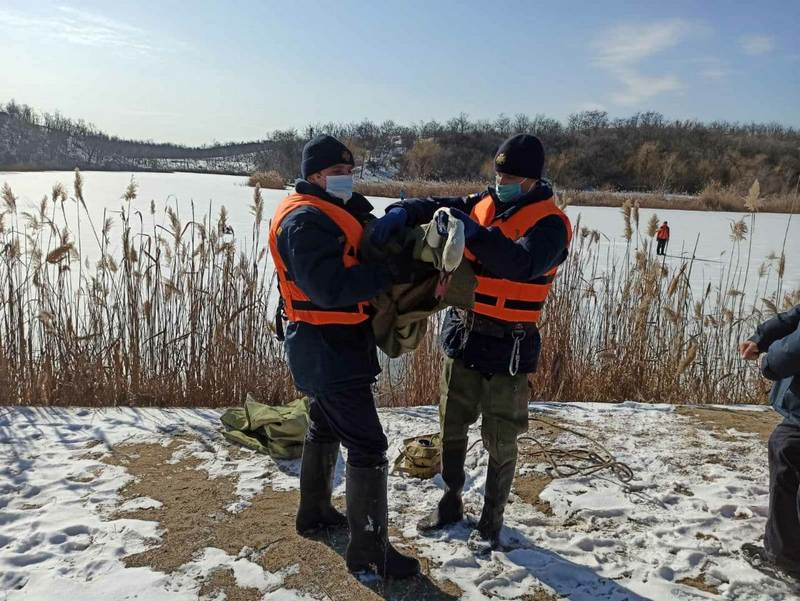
{"x": 700, "y": 491}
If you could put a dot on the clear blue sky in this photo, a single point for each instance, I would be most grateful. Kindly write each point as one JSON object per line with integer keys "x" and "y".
{"x": 199, "y": 71}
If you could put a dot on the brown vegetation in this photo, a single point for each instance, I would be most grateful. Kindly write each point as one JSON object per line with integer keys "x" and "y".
{"x": 180, "y": 316}
{"x": 417, "y": 188}
{"x": 714, "y": 196}
{"x": 267, "y": 179}
{"x": 700, "y": 583}
{"x": 643, "y": 152}
{"x": 636, "y": 330}
{"x": 721, "y": 421}
{"x": 176, "y": 316}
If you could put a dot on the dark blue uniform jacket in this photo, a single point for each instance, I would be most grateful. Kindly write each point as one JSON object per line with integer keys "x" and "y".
{"x": 331, "y": 357}
{"x": 540, "y": 249}
{"x": 779, "y": 339}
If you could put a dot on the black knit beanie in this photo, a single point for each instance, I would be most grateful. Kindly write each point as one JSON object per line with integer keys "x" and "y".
{"x": 521, "y": 155}
{"x": 322, "y": 152}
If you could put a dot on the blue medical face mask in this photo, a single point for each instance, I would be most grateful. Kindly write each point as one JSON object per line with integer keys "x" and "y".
{"x": 340, "y": 186}
{"x": 508, "y": 192}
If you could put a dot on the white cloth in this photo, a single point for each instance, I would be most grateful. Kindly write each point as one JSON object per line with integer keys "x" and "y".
{"x": 450, "y": 244}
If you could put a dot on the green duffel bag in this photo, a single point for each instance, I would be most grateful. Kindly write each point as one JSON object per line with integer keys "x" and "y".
{"x": 276, "y": 430}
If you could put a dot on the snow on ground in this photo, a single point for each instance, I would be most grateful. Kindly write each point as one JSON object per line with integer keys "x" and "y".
{"x": 696, "y": 498}
{"x": 688, "y": 515}
{"x": 54, "y": 494}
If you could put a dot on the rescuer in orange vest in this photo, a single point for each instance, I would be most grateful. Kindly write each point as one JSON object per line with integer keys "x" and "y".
{"x": 516, "y": 238}
{"x": 314, "y": 241}
{"x": 662, "y": 238}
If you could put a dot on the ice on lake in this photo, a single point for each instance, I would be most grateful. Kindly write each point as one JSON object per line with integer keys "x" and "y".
{"x": 706, "y": 234}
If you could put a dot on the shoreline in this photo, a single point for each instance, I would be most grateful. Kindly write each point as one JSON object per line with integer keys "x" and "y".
{"x": 722, "y": 202}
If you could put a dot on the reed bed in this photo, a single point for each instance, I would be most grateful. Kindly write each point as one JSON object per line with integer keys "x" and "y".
{"x": 177, "y": 314}
{"x": 267, "y": 179}
{"x": 417, "y": 188}
{"x": 633, "y": 327}
{"x": 714, "y": 196}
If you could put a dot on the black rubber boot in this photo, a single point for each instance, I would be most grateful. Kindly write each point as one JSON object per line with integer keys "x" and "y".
{"x": 368, "y": 514}
{"x": 316, "y": 485}
{"x": 758, "y": 557}
{"x": 495, "y": 496}
{"x": 450, "y": 509}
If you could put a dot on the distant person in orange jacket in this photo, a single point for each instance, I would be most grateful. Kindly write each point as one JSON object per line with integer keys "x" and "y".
{"x": 662, "y": 236}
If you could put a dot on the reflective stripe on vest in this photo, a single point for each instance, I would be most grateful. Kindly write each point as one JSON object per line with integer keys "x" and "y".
{"x": 508, "y": 300}
{"x": 298, "y": 305}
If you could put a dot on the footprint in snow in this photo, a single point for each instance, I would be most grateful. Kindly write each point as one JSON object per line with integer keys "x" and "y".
{"x": 28, "y": 559}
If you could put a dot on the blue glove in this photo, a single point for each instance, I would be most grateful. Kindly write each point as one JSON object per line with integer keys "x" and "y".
{"x": 388, "y": 225}
{"x": 471, "y": 228}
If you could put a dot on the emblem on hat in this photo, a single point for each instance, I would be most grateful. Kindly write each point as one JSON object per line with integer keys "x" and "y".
{"x": 346, "y": 156}
{"x": 501, "y": 158}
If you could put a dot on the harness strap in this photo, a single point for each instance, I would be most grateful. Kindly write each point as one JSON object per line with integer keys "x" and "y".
{"x": 280, "y": 315}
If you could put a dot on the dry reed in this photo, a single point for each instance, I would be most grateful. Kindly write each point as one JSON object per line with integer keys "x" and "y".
{"x": 714, "y": 196}
{"x": 267, "y": 179}
{"x": 179, "y": 315}
{"x": 176, "y": 316}
{"x": 417, "y": 188}
{"x": 645, "y": 334}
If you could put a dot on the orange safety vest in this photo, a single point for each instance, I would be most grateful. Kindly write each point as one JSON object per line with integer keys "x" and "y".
{"x": 663, "y": 233}
{"x": 297, "y": 304}
{"x": 508, "y": 300}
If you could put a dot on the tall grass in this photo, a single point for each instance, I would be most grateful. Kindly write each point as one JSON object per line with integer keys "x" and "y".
{"x": 634, "y": 328}
{"x": 175, "y": 316}
{"x": 175, "y": 313}
{"x": 714, "y": 197}
{"x": 417, "y": 188}
{"x": 267, "y": 179}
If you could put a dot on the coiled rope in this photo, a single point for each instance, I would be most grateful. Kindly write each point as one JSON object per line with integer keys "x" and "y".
{"x": 575, "y": 461}
{"x": 563, "y": 461}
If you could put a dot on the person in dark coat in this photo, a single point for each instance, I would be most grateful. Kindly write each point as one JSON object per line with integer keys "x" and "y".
{"x": 516, "y": 237}
{"x": 330, "y": 347}
{"x": 778, "y": 339}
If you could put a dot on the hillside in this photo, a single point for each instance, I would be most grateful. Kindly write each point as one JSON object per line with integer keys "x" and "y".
{"x": 66, "y": 145}
{"x": 590, "y": 151}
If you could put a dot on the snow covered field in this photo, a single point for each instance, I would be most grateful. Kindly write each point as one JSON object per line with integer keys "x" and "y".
{"x": 103, "y": 190}
{"x": 78, "y": 487}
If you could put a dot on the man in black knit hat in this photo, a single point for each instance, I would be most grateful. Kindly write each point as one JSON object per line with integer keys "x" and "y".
{"x": 314, "y": 239}
{"x": 516, "y": 237}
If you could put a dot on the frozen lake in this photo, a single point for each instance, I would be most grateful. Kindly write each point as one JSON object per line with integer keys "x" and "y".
{"x": 709, "y": 231}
